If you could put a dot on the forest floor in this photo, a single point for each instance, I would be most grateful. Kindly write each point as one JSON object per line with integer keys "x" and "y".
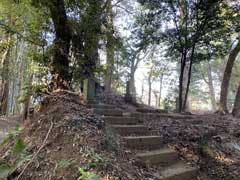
{"x": 211, "y": 141}
{"x": 65, "y": 140}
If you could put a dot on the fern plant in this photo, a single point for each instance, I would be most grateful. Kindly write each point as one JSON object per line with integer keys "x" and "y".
{"x": 18, "y": 150}
{"x": 86, "y": 175}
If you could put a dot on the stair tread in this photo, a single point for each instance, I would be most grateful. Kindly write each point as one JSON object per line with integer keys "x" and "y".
{"x": 108, "y": 112}
{"x": 176, "y": 170}
{"x": 128, "y": 126}
{"x": 101, "y": 106}
{"x": 121, "y": 120}
{"x": 164, "y": 156}
{"x": 156, "y": 152}
{"x": 102, "y": 109}
{"x": 140, "y": 137}
{"x": 125, "y": 130}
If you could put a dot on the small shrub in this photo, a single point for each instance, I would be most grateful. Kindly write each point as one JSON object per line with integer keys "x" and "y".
{"x": 18, "y": 150}
{"x": 111, "y": 141}
{"x": 62, "y": 164}
{"x": 86, "y": 175}
{"x": 95, "y": 159}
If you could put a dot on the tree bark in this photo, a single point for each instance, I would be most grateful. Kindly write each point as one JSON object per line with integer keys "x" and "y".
{"x": 211, "y": 88}
{"x": 189, "y": 76}
{"x": 184, "y": 25}
{"x": 156, "y": 98}
{"x": 149, "y": 91}
{"x": 110, "y": 48}
{"x": 181, "y": 77}
{"x": 226, "y": 78}
{"x": 142, "y": 91}
{"x": 185, "y": 86}
{"x": 150, "y": 86}
{"x": 5, "y": 79}
{"x": 132, "y": 87}
{"x": 160, "y": 91}
{"x": 92, "y": 29}
{"x": 28, "y": 99}
{"x": 60, "y": 59}
{"x": 236, "y": 107}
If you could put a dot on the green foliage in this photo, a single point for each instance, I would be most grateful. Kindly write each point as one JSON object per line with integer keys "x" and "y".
{"x": 86, "y": 175}
{"x": 111, "y": 140}
{"x": 19, "y": 147}
{"x": 18, "y": 150}
{"x": 95, "y": 159}
{"x": 32, "y": 90}
{"x": 169, "y": 104}
{"x": 5, "y": 170}
{"x": 62, "y": 164}
{"x": 12, "y": 135}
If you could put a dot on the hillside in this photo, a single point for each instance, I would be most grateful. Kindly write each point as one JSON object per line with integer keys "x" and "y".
{"x": 62, "y": 139}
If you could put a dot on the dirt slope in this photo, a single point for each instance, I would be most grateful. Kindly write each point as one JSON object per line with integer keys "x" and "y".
{"x": 62, "y": 139}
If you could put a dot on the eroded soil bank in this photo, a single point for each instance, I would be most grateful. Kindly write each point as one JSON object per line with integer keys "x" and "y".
{"x": 65, "y": 140}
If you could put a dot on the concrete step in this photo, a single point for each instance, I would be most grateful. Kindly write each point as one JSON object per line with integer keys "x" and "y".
{"x": 164, "y": 156}
{"x": 130, "y": 129}
{"x": 151, "y": 110}
{"x": 143, "y": 142}
{"x": 179, "y": 171}
{"x": 108, "y": 112}
{"x": 101, "y": 106}
{"x": 121, "y": 120}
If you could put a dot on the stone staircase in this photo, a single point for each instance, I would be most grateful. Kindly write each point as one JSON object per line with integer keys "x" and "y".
{"x": 151, "y": 149}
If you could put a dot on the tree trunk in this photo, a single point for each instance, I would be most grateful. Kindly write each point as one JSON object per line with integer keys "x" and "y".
{"x": 211, "y": 88}
{"x": 226, "y": 78}
{"x": 131, "y": 90}
{"x": 160, "y": 91}
{"x": 149, "y": 93}
{"x": 110, "y": 48}
{"x": 92, "y": 29}
{"x": 142, "y": 92}
{"x": 132, "y": 87}
{"x": 5, "y": 80}
{"x": 28, "y": 99}
{"x": 185, "y": 106}
{"x": 149, "y": 90}
{"x": 183, "y": 23}
{"x": 185, "y": 86}
{"x": 156, "y": 98}
{"x": 181, "y": 77}
{"x": 236, "y": 108}
{"x": 60, "y": 60}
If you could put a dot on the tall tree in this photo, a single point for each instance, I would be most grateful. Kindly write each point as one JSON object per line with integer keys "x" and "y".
{"x": 150, "y": 81}
{"x": 211, "y": 87}
{"x": 192, "y": 20}
{"x": 60, "y": 51}
{"x": 5, "y": 76}
{"x": 110, "y": 47}
{"x": 226, "y": 78}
